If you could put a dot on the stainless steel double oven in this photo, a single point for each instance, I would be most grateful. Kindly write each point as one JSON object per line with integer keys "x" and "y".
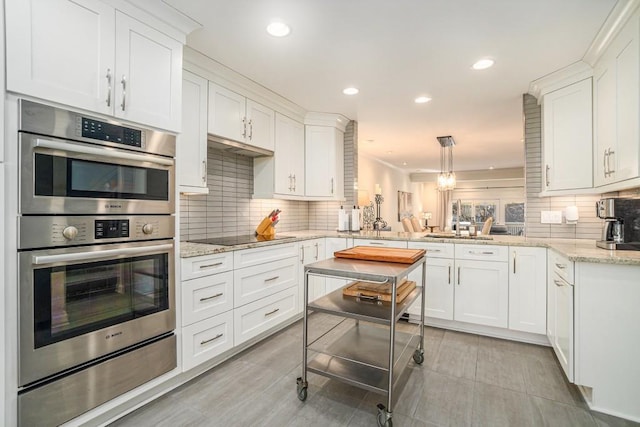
{"x": 96, "y": 261}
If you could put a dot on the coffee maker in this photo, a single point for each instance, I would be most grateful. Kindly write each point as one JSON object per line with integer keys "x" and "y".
{"x": 621, "y": 228}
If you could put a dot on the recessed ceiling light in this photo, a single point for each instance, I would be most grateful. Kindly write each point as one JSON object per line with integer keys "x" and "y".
{"x": 350, "y": 91}
{"x": 491, "y": 168}
{"x": 278, "y": 29}
{"x": 422, "y": 100}
{"x": 370, "y": 140}
{"x": 389, "y": 152}
{"x": 483, "y": 64}
{"x": 404, "y": 163}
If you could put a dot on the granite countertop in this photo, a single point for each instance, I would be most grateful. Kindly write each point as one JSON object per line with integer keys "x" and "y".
{"x": 578, "y": 250}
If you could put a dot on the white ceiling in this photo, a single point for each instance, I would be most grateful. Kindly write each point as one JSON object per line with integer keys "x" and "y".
{"x": 394, "y": 51}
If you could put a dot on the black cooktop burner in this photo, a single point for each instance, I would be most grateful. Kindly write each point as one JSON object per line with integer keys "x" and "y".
{"x": 239, "y": 240}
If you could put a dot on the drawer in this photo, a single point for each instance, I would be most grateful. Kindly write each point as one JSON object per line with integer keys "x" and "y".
{"x": 382, "y": 243}
{"x": 561, "y": 266}
{"x": 252, "y": 319}
{"x": 263, "y": 255}
{"x": 206, "y": 297}
{"x": 259, "y": 281}
{"x": 205, "y": 265}
{"x": 482, "y": 252}
{"x": 435, "y": 250}
{"x": 204, "y": 340}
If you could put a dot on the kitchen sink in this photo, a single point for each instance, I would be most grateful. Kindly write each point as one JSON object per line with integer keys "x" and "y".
{"x": 453, "y": 236}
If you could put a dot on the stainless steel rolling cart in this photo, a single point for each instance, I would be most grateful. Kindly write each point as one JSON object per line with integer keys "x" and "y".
{"x": 370, "y": 354}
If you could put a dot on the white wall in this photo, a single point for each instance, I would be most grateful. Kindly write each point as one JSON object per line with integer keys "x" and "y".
{"x": 391, "y": 180}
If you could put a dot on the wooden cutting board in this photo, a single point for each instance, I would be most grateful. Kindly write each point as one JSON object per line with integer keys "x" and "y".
{"x": 368, "y": 253}
{"x": 381, "y": 292}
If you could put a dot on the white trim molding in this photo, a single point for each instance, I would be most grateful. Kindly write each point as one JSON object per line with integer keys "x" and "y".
{"x": 620, "y": 14}
{"x": 558, "y": 79}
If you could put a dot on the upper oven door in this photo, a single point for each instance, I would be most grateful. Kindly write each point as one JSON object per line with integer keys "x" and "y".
{"x": 63, "y": 177}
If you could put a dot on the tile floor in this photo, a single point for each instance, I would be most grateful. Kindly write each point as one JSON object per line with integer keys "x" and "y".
{"x": 465, "y": 380}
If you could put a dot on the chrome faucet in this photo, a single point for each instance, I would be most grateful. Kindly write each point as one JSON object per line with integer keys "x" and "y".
{"x": 459, "y": 205}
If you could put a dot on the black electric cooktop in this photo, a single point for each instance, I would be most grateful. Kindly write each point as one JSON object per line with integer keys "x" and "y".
{"x": 239, "y": 240}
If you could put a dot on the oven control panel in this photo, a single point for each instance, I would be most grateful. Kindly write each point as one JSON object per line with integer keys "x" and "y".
{"x": 95, "y": 129}
{"x": 54, "y": 231}
{"x": 111, "y": 228}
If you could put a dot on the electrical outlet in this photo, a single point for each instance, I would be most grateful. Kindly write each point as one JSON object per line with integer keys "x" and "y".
{"x": 551, "y": 217}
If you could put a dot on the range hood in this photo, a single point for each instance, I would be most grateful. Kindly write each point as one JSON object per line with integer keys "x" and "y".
{"x": 236, "y": 147}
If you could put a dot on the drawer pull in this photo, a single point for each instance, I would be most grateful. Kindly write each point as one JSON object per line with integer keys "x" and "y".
{"x": 449, "y": 282}
{"x": 272, "y": 312}
{"x": 211, "y": 339}
{"x": 481, "y": 253}
{"x": 458, "y": 275}
{"x": 271, "y": 279}
{"x": 434, "y": 250}
{"x": 211, "y": 265}
{"x": 561, "y": 266}
{"x": 211, "y": 297}
{"x": 377, "y": 243}
{"x": 558, "y": 283}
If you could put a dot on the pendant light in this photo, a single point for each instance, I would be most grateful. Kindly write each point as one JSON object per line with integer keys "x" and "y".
{"x": 446, "y": 177}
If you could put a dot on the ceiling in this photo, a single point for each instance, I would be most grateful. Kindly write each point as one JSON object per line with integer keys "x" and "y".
{"x": 395, "y": 51}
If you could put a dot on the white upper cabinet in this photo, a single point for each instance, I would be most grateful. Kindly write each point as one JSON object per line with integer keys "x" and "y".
{"x": 192, "y": 141}
{"x": 148, "y": 76}
{"x": 87, "y": 55}
{"x": 567, "y": 133}
{"x": 235, "y": 117}
{"x": 282, "y": 176}
{"x": 226, "y": 113}
{"x": 260, "y": 125}
{"x": 324, "y": 162}
{"x": 617, "y": 108}
{"x": 62, "y": 51}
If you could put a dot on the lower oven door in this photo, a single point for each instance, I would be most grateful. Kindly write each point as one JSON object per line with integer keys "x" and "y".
{"x": 79, "y": 304}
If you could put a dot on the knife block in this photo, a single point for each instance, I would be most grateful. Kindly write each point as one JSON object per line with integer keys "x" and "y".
{"x": 266, "y": 228}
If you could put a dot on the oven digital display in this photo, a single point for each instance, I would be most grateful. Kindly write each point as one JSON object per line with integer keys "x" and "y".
{"x": 102, "y": 131}
{"x": 109, "y": 229}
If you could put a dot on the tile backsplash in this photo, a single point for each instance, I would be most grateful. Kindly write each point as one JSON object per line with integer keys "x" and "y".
{"x": 229, "y": 210}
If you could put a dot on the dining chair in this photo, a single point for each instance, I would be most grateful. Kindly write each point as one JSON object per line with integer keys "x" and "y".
{"x": 486, "y": 228}
{"x": 406, "y": 224}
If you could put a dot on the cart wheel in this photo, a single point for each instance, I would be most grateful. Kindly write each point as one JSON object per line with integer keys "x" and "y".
{"x": 384, "y": 417}
{"x": 418, "y": 356}
{"x": 301, "y": 388}
{"x": 302, "y": 394}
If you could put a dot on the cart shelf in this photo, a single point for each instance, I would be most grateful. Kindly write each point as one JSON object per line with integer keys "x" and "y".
{"x": 371, "y": 311}
{"x": 359, "y": 358}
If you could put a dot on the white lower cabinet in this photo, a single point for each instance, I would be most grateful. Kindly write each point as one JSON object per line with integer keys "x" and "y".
{"x": 560, "y": 310}
{"x": 206, "y": 307}
{"x": 528, "y": 289}
{"x": 206, "y": 297}
{"x": 311, "y": 251}
{"x": 253, "y": 283}
{"x": 254, "y": 318}
{"x": 206, "y": 339}
{"x": 265, "y": 289}
{"x": 439, "y": 280}
{"x": 482, "y": 285}
{"x": 333, "y": 244}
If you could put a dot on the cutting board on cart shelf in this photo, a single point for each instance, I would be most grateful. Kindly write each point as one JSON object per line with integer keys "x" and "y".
{"x": 379, "y": 291}
{"x": 368, "y": 253}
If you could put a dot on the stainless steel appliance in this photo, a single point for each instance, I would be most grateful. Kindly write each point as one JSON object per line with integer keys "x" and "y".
{"x": 95, "y": 262}
{"x": 75, "y": 164}
{"x": 621, "y": 228}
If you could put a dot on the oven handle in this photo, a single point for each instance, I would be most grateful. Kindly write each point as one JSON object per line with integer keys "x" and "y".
{"x": 108, "y": 253}
{"x": 55, "y": 145}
